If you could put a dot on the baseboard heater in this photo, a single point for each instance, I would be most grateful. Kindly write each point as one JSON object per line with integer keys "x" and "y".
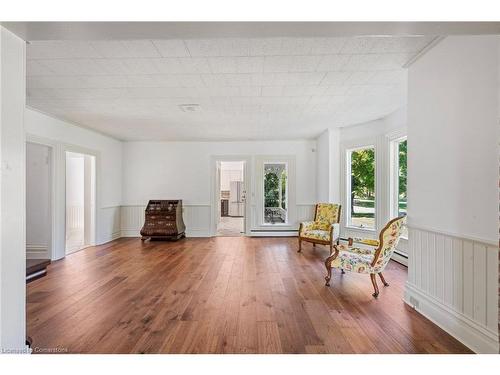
{"x": 400, "y": 258}
{"x": 274, "y": 233}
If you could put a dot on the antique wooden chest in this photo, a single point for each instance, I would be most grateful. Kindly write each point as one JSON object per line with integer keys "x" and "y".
{"x": 163, "y": 220}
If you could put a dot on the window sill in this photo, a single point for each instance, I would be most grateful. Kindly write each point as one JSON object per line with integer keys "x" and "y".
{"x": 360, "y": 229}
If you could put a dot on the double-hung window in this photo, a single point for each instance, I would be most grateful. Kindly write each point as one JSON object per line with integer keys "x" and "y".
{"x": 399, "y": 179}
{"x": 361, "y": 187}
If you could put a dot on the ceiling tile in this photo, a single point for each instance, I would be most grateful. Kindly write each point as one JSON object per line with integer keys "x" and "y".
{"x": 335, "y": 78}
{"x": 359, "y": 78}
{"x": 290, "y": 63}
{"x": 116, "y": 49}
{"x": 235, "y": 64}
{"x": 400, "y": 44}
{"x": 296, "y": 46}
{"x": 212, "y": 80}
{"x": 127, "y": 66}
{"x": 218, "y": 47}
{"x": 250, "y": 91}
{"x": 72, "y": 67}
{"x": 183, "y": 65}
{"x": 303, "y": 90}
{"x": 358, "y": 45}
{"x": 330, "y": 63}
{"x": 337, "y": 90}
{"x": 265, "y": 46}
{"x": 272, "y": 91}
{"x": 171, "y": 48}
{"x": 327, "y": 46}
{"x": 373, "y": 62}
{"x": 61, "y": 50}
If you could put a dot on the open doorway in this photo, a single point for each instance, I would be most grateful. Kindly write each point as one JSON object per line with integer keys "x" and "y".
{"x": 80, "y": 201}
{"x": 231, "y": 198}
{"x": 38, "y": 202}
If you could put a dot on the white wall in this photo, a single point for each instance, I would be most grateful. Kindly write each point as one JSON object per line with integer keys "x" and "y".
{"x": 230, "y": 171}
{"x": 12, "y": 193}
{"x": 75, "y": 194}
{"x": 63, "y": 136}
{"x": 458, "y": 113}
{"x": 328, "y": 166}
{"x": 38, "y": 198}
{"x": 171, "y": 170}
{"x": 453, "y": 188}
{"x": 75, "y": 179}
{"x": 393, "y": 122}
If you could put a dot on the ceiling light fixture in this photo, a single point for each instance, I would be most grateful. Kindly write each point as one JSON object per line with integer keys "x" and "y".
{"x": 190, "y": 107}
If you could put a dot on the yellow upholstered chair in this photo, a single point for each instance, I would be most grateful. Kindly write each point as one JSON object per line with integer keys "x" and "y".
{"x": 367, "y": 260}
{"x": 325, "y": 228}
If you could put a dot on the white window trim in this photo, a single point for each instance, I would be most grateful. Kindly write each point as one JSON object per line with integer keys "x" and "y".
{"x": 394, "y": 140}
{"x": 287, "y": 221}
{"x": 259, "y": 193}
{"x": 394, "y": 175}
{"x": 346, "y": 185}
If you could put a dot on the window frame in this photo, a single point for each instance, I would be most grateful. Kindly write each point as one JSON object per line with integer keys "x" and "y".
{"x": 348, "y": 185}
{"x": 394, "y": 176}
{"x": 287, "y": 197}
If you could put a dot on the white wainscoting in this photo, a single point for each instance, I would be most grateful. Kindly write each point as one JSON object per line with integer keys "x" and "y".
{"x": 196, "y": 217}
{"x": 74, "y": 217}
{"x": 109, "y": 224}
{"x": 305, "y": 212}
{"x": 37, "y": 251}
{"x": 453, "y": 281}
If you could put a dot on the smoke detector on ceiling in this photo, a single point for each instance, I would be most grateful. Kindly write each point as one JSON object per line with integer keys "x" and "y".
{"x": 190, "y": 107}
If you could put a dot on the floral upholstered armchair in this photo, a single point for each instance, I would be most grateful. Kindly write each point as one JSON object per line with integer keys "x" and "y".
{"x": 325, "y": 229}
{"x": 367, "y": 260}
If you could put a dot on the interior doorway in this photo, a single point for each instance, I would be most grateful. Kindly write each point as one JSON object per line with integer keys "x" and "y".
{"x": 231, "y": 198}
{"x": 38, "y": 201}
{"x": 80, "y": 201}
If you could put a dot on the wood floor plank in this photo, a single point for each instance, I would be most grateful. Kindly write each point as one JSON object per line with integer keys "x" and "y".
{"x": 221, "y": 295}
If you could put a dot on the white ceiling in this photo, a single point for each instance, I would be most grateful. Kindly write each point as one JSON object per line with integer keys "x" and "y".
{"x": 247, "y": 88}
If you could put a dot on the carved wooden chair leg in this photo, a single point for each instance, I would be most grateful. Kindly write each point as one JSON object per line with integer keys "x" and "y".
{"x": 383, "y": 280}
{"x": 314, "y": 245}
{"x": 328, "y": 276}
{"x": 300, "y": 246}
{"x": 375, "y": 286}
{"x": 342, "y": 271}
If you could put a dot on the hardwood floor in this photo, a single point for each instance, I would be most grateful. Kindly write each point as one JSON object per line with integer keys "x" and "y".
{"x": 221, "y": 295}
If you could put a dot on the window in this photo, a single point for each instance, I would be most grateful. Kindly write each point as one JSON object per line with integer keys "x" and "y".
{"x": 275, "y": 193}
{"x": 361, "y": 188}
{"x": 399, "y": 176}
